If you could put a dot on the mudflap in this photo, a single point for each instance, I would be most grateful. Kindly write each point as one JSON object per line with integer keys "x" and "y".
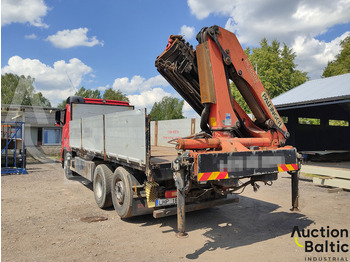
{"x": 140, "y": 207}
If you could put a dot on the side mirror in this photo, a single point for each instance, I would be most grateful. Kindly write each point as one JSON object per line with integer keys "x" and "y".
{"x": 58, "y": 118}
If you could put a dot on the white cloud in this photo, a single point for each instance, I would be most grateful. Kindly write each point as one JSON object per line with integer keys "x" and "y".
{"x": 71, "y": 38}
{"x": 188, "y": 111}
{"x": 103, "y": 88}
{"x": 314, "y": 55}
{"x": 202, "y": 8}
{"x": 285, "y": 20}
{"x": 146, "y": 99}
{"x": 143, "y": 93}
{"x": 57, "y": 96}
{"x": 32, "y": 36}
{"x": 187, "y": 31}
{"x": 291, "y": 22}
{"x": 138, "y": 83}
{"x": 56, "y": 81}
{"x": 23, "y": 11}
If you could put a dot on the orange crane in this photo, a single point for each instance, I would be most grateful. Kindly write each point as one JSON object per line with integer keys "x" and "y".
{"x": 231, "y": 145}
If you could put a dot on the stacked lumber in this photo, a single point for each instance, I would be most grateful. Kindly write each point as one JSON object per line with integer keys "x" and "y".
{"x": 329, "y": 176}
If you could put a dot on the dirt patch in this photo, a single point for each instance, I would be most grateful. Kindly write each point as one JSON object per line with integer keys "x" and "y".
{"x": 42, "y": 211}
{"x": 93, "y": 219}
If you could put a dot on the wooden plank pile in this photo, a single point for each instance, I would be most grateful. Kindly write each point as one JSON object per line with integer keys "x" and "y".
{"x": 328, "y": 176}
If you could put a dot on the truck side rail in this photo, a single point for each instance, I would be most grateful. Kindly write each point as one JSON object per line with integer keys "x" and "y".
{"x": 120, "y": 137}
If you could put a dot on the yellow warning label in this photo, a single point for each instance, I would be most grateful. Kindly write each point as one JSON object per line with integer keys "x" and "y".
{"x": 213, "y": 121}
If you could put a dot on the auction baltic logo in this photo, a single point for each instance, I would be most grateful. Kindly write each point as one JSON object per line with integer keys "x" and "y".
{"x": 329, "y": 241}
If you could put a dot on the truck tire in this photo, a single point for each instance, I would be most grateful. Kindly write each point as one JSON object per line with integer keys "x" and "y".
{"x": 102, "y": 185}
{"x": 122, "y": 194}
{"x": 67, "y": 172}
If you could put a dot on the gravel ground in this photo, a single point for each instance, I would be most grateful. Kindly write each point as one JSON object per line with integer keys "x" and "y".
{"x": 41, "y": 221}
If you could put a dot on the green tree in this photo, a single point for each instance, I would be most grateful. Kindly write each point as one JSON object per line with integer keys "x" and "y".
{"x": 239, "y": 99}
{"x": 39, "y": 99}
{"x": 16, "y": 89}
{"x": 62, "y": 104}
{"x": 168, "y": 108}
{"x": 276, "y": 69}
{"x": 341, "y": 64}
{"x": 83, "y": 92}
{"x": 88, "y": 93}
{"x": 19, "y": 90}
{"x": 115, "y": 95}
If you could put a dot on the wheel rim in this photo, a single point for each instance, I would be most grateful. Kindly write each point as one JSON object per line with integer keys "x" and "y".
{"x": 119, "y": 192}
{"x": 98, "y": 187}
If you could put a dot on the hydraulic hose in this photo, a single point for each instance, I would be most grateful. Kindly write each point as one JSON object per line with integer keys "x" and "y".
{"x": 205, "y": 118}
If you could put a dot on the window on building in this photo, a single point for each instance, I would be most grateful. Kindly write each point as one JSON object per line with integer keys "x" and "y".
{"x": 284, "y": 119}
{"x": 9, "y": 131}
{"x": 338, "y": 122}
{"x": 309, "y": 121}
{"x": 51, "y": 136}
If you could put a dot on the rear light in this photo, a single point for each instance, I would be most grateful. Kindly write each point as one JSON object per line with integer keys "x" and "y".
{"x": 170, "y": 194}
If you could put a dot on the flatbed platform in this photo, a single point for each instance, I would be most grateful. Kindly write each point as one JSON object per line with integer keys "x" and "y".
{"x": 162, "y": 155}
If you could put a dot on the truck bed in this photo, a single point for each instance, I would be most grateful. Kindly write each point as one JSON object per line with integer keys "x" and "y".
{"x": 162, "y": 155}
{"x": 123, "y": 137}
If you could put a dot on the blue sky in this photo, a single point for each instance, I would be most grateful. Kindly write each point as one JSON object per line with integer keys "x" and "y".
{"x": 101, "y": 44}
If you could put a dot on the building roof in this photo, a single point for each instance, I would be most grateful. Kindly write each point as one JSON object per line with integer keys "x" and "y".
{"x": 316, "y": 91}
{"x": 8, "y": 107}
{"x": 31, "y": 115}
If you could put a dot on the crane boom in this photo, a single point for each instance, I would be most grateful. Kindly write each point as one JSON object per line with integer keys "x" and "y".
{"x": 202, "y": 77}
{"x": 231, "y": 145}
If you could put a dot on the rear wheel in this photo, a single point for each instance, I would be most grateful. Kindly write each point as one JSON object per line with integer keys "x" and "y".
{"x": 102, "y": 185}
{"x": 122, "y": 194}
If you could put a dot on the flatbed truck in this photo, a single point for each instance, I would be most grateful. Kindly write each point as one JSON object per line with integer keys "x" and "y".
{"x": 108, "y": 142}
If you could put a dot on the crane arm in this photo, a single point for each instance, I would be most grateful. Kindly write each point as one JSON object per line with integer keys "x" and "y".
{"x": 202, "y": 77}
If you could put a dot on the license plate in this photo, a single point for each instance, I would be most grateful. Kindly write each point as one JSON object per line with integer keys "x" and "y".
{"x": 165, "y": 202}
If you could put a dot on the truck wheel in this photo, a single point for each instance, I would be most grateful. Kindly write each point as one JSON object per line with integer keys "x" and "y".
{"x": 67, "y": 172}
{"x": 102, "y": 185}
{"x": 122, "y": 194}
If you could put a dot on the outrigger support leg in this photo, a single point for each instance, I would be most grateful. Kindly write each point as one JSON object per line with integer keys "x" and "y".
{"x": 295, "y": 190}
{"x": 179, "y": 177}
{"x": 181, "y": 214}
